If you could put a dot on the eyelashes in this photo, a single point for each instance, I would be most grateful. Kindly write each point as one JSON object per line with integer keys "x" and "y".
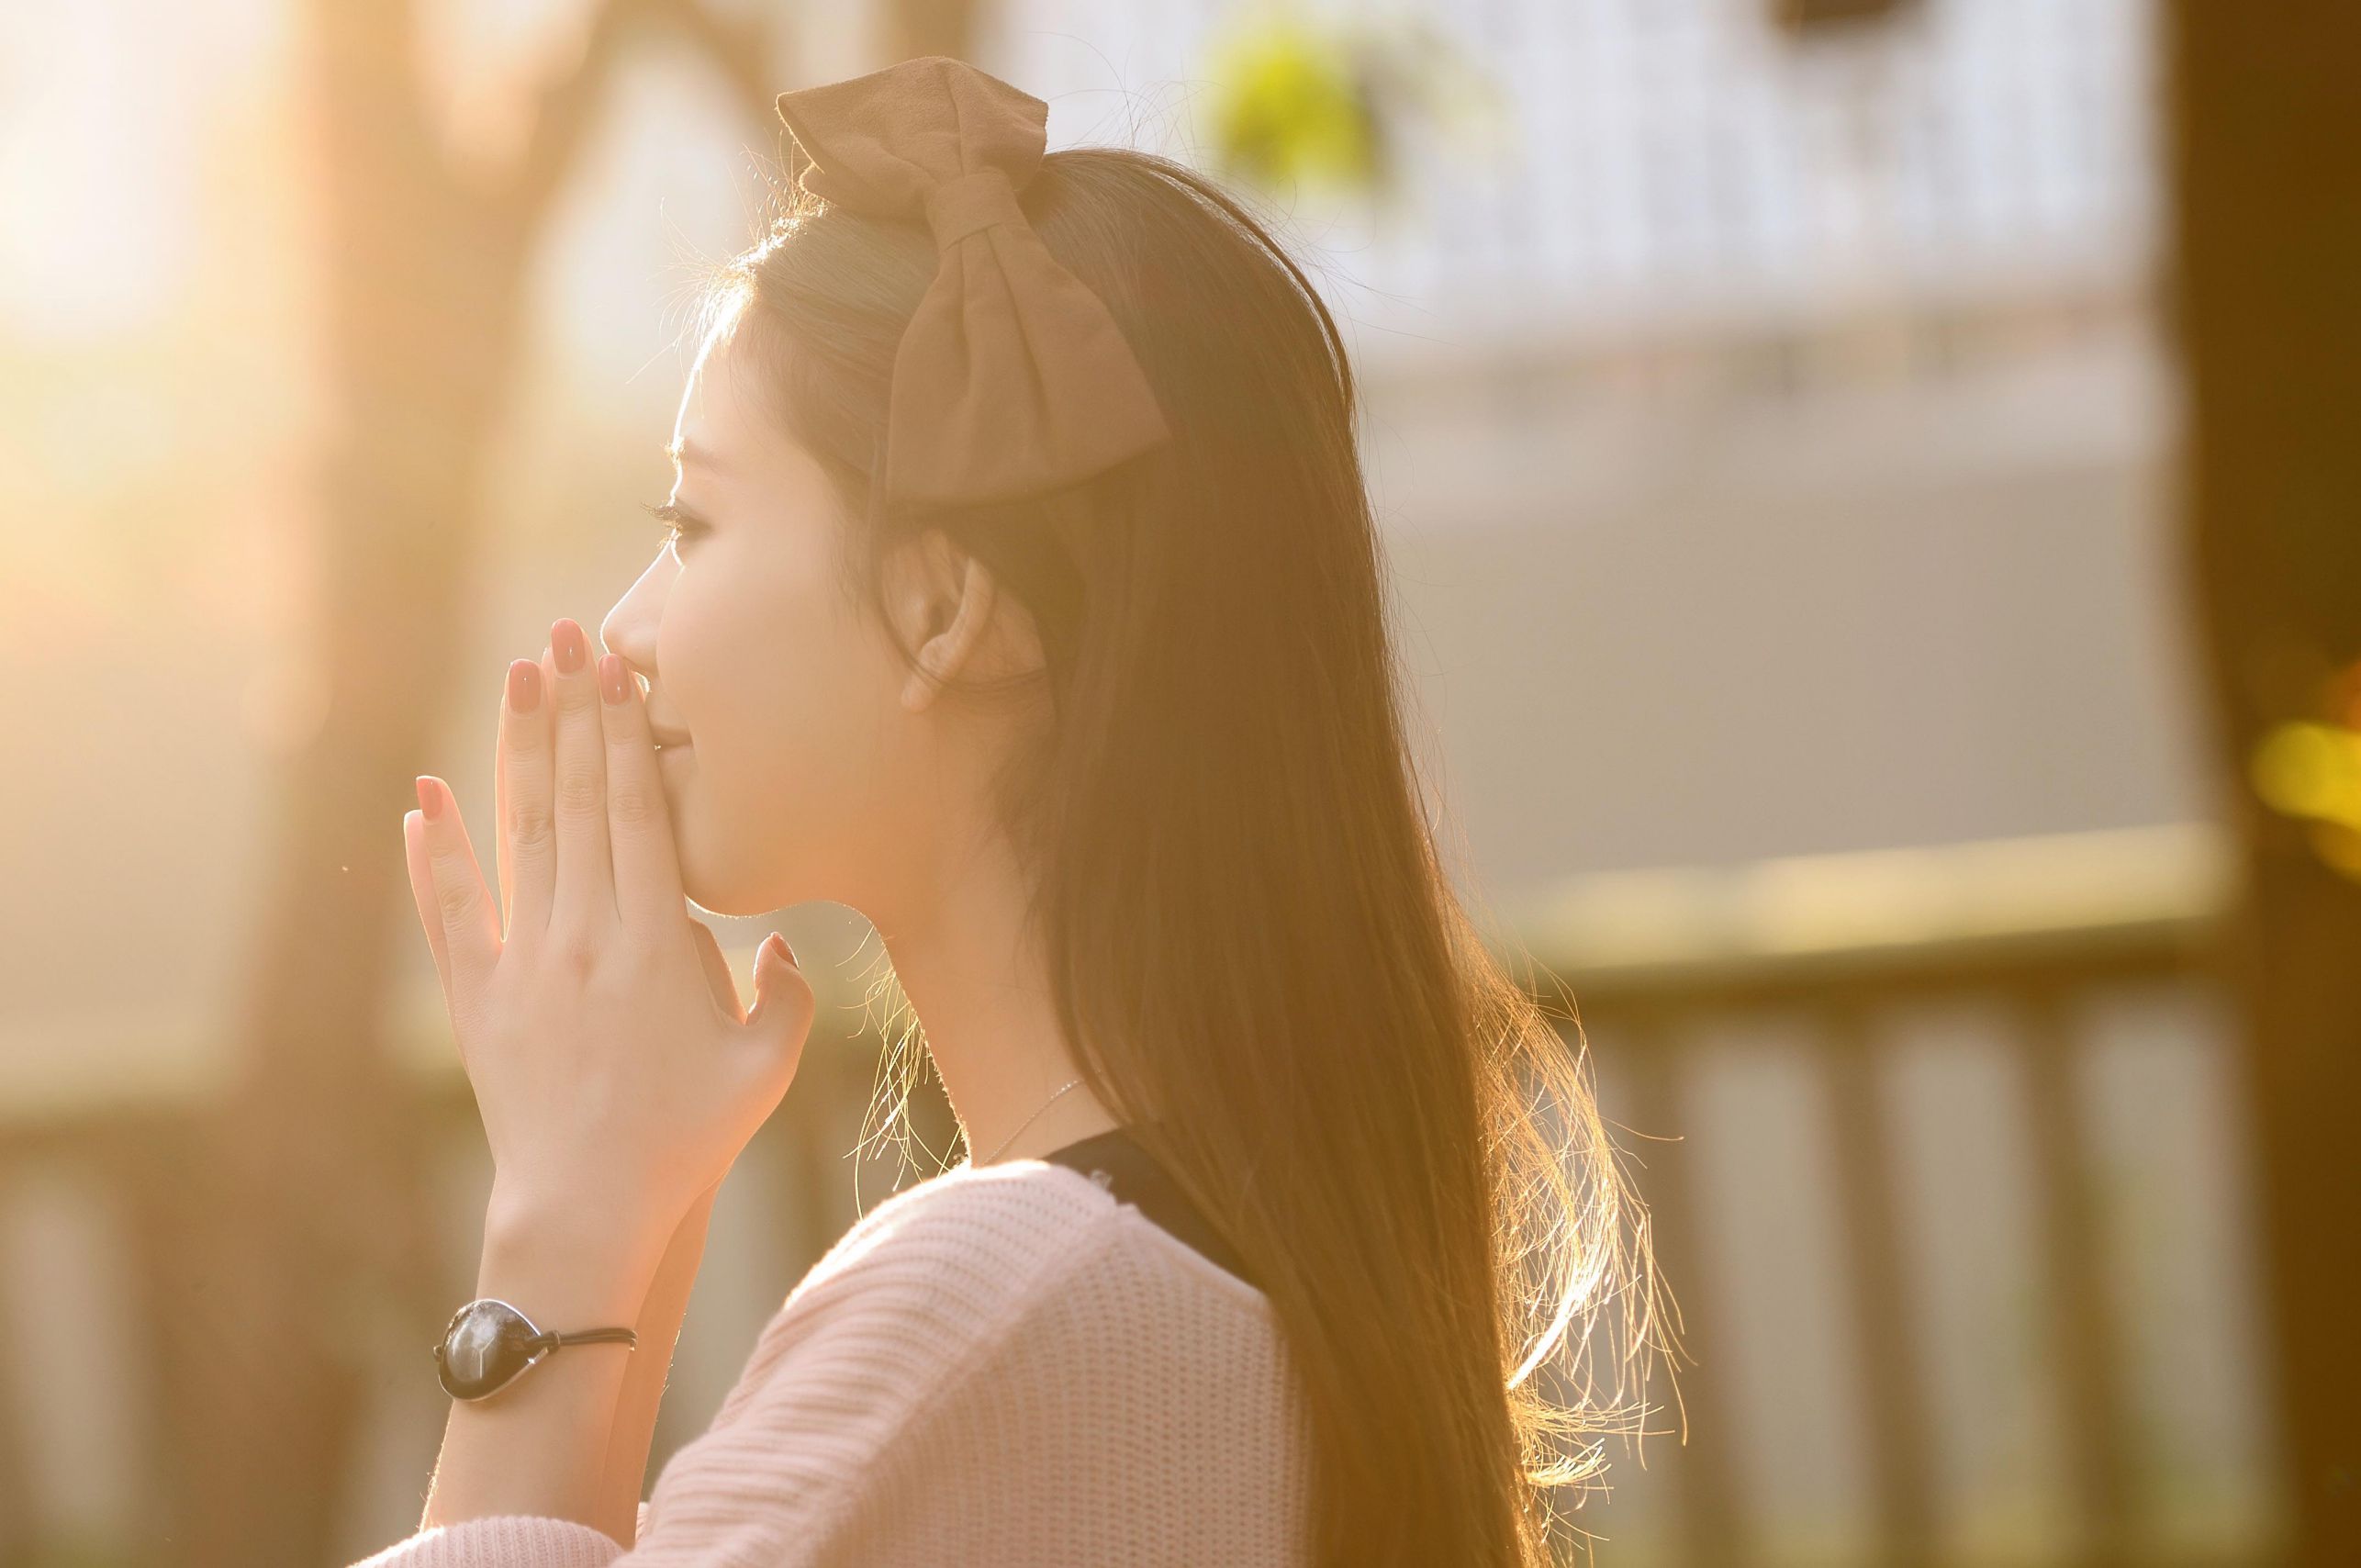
{"x": 677, "y": 525}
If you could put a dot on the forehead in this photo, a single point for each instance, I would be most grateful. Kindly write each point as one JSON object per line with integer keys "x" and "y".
{"x": 712, "y": 425}
{"x": 728, "y": 422}
{"x": 726, "y": 434}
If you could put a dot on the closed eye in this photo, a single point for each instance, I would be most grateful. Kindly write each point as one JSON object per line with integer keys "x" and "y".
{"x": 677, "y": 524}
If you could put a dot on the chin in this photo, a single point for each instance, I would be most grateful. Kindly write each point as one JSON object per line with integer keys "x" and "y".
{"x": 719, "y": 895}
{"x": 710, "y": 897}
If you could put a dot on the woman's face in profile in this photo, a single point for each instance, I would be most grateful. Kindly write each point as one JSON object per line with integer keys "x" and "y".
{"x": 792, "y": 785}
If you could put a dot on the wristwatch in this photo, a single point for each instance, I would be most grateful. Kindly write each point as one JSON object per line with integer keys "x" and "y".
{"x": 488, "y": 1342}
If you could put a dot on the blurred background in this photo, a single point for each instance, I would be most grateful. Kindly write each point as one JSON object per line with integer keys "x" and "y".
{"x": 1875, "y": 520}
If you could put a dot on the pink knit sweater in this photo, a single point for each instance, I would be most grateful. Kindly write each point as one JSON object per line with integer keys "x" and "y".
{"x": 1001, "y": 1368}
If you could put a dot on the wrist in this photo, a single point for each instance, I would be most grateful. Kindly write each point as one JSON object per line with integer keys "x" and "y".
{"x": 574, "y": 1214}
{"x": 565, "y": 1267}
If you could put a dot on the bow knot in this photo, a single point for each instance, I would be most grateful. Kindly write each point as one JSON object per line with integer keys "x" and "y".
{"x": 1012, "y": 377}
{"x": 956, "y": 209}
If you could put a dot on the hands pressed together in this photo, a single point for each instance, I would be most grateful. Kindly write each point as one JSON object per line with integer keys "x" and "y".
{"x": 617, "y": 1074}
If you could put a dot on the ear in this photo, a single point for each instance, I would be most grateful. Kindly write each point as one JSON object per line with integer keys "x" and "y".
{"x": 942, "y": 601}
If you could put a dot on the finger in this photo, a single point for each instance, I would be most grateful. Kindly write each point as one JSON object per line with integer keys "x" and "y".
{"x": 430, "y": 918}
{"x": 724, "y": 985}
{"x": 639, "y": 823}
{"x": 586, "y": 872}
{"x": 784, "y": 1003}
{"x": 462, "y": 904}
{"x": 768, "y": 1046}
{"x": 528, "y": 821}
{"x": 501, "y": 851}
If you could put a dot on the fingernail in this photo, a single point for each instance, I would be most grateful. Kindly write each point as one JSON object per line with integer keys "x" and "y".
{"x": 430, "y": 798}
{"x": 573, "y": 647}
{"x": 612, "y": 682}
{"x": 524, "y": 686}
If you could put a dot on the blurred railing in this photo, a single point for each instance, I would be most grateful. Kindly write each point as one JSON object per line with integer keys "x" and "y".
{"x": 98, "y": 1131}
{"x": 1673, "y": 972}
{"x": 1827, "y": 952}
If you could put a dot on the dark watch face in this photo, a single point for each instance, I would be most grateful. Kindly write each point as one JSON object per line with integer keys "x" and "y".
{"x": 488, "y": 1343}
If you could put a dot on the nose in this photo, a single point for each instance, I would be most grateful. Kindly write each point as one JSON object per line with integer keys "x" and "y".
{"x": 628, "y": 630}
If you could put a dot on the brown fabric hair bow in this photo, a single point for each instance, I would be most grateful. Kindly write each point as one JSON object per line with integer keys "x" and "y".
{"x": 1012, "y": 377}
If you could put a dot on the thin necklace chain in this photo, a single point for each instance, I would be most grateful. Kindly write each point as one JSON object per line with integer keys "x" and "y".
{"x": 1025, "y": 1123}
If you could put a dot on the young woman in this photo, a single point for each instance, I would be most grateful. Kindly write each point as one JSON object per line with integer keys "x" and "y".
{"x": 1021, "y": 592}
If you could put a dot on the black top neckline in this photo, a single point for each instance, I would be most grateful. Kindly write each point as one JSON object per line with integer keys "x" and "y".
{"x": 1115, "y": 1161}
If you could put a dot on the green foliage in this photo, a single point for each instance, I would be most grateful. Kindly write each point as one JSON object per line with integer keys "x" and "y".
{"x": 1305, "y": 102}
{"x": 1292, "y": 107}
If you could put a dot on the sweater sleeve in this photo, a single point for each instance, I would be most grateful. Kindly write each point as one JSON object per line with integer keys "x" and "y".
{"x": 894, "y": 1312}
{"x": 510, "y": 1540}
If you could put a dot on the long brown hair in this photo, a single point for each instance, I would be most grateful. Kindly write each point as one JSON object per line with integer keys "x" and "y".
{"x": 1261, "y": 964}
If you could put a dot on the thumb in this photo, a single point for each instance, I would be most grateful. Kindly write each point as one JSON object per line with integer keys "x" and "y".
{"x": 783, "y": 998}
{"x": 718, "y": 977}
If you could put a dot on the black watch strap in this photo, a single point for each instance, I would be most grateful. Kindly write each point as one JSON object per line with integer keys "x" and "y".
{"x": 488, "y": 1342}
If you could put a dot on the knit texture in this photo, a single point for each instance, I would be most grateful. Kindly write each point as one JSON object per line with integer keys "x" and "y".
{"x": 1001, "y": 1367}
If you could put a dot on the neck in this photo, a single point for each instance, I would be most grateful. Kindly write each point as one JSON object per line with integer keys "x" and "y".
{"x": 981, "y": 989}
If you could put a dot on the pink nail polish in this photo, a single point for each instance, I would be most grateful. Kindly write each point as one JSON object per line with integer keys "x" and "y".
{"x": 572, "y": 648}
{"x": 524, "y": 686}
{"x": 612, "y": 681}
{"x": 430, "y": 798}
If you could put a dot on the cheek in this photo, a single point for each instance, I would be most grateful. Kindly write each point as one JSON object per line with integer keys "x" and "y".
{"x": 821, "y": 727}
{"x": 791, "y": 704}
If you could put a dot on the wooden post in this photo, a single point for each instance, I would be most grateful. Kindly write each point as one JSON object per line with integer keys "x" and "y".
{"x": 1655, "y": 1063}
{"x": 1892, "y": 1366}
{"x": 2265, "y": 291}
